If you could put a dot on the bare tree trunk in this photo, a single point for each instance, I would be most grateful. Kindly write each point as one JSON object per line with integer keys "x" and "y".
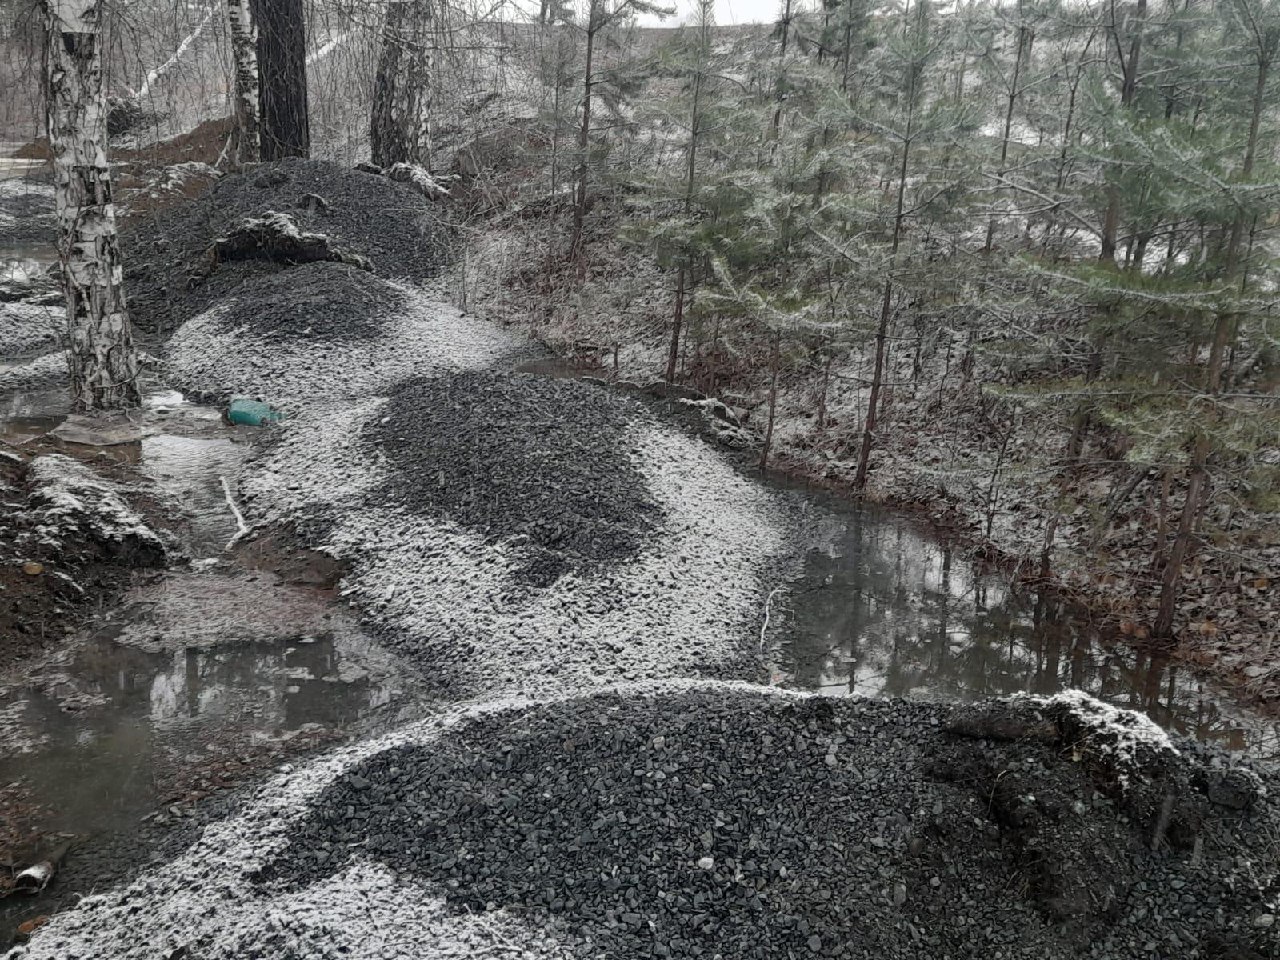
{"x": 773, "y": 400}
{"x": 1128, "y": 90}
{"x": 399, "y": 127}
{"x": 104, "y": 364}
{"x": 1182, "y": 540}
{"x": 1223, "y": 334}
{"x": 1024, "y": 52}
{"x": 673, "y": 353}
{"x": 282, "y": 74}
{"x": 244, "y": 50}
{"x": 873, "y": 403}
{"x": 584, "y": 138}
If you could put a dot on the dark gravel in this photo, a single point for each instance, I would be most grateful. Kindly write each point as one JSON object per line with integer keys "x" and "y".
{"x": 166, "y": 253}
{"x": 740, "y": 825}
{"x": 27, "y": 213}
{"x": 324, "y": 301}
{"x": 540, "y": 463}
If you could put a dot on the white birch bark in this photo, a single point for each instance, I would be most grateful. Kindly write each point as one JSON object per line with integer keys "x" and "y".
{"x": 104, "y": 364}
{"x": 244, "y": 50}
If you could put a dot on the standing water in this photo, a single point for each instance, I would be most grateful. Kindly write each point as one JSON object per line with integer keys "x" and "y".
{"x": 883, "y": 609}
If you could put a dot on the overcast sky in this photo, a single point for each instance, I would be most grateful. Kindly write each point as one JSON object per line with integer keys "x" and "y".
{"x": 727, "y": 11}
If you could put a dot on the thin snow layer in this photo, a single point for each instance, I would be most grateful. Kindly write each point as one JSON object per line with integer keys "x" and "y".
{"x": 40, "y": 372}
{"x": 204, "y": 904}
{"x": 450, "y": 598}
{"x": 74, "y": 500}
{"x": 420, "y": 335}
{"x": 26, "y": 328}
{"x": 1131, "y": 740}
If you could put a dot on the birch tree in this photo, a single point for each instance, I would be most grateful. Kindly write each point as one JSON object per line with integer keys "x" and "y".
{"x": 244, "y": 52}
{"x": 103, "y": 361}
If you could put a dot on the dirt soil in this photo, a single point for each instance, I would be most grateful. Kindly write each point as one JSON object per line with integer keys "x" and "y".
{"x": 52, "y": 586}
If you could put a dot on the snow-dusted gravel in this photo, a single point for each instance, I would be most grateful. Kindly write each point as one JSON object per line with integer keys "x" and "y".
{"x": 223, "y": 352}
{"x": 698, "y": 820}
{"x": 27, "y": 329}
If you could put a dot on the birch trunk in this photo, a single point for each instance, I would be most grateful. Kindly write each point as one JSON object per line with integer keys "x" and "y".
{"x": 244, "y": 50}
{"x": 103, "y": 362}
{"x": 399, "y": 128}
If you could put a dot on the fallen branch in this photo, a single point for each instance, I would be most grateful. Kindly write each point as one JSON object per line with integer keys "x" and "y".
{"x": 242, "y": 528}
{"x": 764, "y": 627}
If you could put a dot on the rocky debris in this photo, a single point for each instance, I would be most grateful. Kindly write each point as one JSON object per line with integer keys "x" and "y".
{"x": 389, "y": 224}
{"x": 26, "y": 212}
{"x": 26, "y": 329}
{"x": 275, "y": 237}
{"x": 67, "y": 539}
{"x": 741, "y": 824}
{"x": 49, "y": 370}
{"x": 558, "y": 482}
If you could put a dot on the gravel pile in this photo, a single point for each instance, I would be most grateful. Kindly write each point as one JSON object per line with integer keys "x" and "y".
{"x": 318, "y": 301}
{"x": 715, "y": 820}
{"x": 166, "y": 254}
{"x": 745, "y": 825}
{"x": 544, "y": 465}
{"x": 469, "y": 608}
{"x": 354, "y": 336}
{"x": 26, "y": 212}
{"x": 27, "y": 329}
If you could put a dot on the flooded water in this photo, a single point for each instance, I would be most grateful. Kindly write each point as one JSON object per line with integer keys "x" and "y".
{"x": 199, "y": 676}
{"x": 112, "y": 727}
{"x": 882, "y": 609}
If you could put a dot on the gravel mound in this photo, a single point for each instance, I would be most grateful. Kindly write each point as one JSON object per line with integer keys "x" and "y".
{"x": 166, "y": 254}
{"x": 327, "y": 333}
{"x": 543, "y": 464}
{"x": 27, "y": 329}
{"x": 323, "y": 301}
{"x": 465, "y": 606}
{"x": 738, "y": 824}
{"x": 26, "y": 212}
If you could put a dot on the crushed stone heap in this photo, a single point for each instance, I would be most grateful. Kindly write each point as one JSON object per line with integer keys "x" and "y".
{"x": 715, "y": 823}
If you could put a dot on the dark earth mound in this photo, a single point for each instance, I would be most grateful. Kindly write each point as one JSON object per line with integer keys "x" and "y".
{"x": 168, "y": 278}
{"x": 326, "y": 301}
{"x": 543, "y": 464}
{"x": 736, "y": 825}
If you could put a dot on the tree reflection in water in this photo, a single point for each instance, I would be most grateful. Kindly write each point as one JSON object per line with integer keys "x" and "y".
{"x": 883, "y": 610}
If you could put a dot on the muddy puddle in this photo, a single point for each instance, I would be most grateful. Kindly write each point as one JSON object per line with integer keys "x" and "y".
{"x": 883, "y": 609}
{"x": 179, "y": 693}
{"x": 202, "y": 675}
